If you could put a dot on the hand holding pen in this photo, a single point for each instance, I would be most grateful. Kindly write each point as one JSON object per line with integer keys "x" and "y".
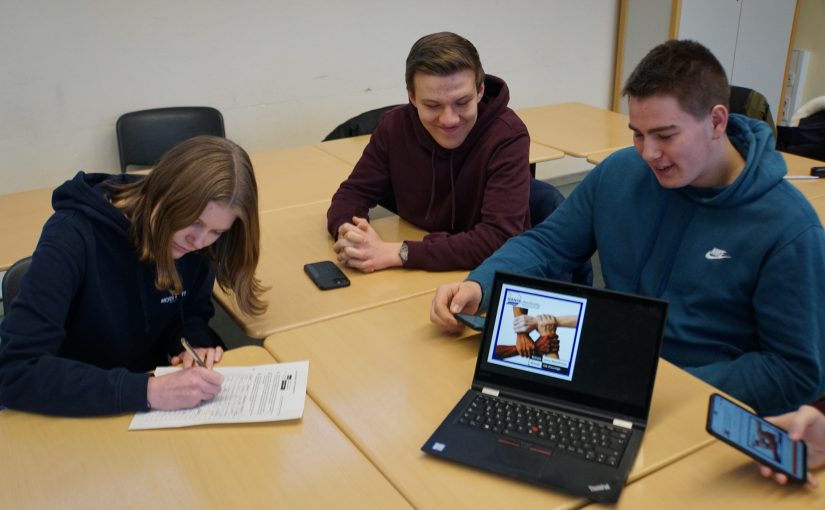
{"x": 182, "y": 389}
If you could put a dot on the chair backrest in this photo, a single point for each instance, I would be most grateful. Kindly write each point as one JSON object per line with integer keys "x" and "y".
{"x": 11, "y": 282}
{"x": 362, "y": 124}
{"x": 751, "y": 103}
{"x": 143, "y": 136}
{"x": 544, "y": 199}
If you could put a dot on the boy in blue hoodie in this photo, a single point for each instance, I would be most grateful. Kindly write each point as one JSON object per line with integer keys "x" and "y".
{"x": 699, "y": 215}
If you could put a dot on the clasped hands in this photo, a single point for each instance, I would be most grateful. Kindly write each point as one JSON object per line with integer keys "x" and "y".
{"x": 360, "y": 247}
{"x": 548, "y": 341}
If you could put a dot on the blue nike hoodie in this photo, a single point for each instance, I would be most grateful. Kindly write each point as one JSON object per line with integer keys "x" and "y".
{"x": 89, "y": 323}
{"x": 743, "y": 266}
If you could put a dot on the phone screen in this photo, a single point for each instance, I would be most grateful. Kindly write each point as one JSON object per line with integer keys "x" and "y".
{"x": 756, "y": 437}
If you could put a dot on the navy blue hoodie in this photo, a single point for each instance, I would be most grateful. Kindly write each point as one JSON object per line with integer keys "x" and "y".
{"x": 89, "y": 323}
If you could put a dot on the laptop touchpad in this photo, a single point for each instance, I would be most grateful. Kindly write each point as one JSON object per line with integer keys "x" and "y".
{"x": 521, "y": 458}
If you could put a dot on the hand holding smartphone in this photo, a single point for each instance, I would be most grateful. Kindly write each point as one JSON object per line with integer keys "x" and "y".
{"x": 758, "y": 438}
{"x": 475, "y": 322}
{"x": 326, "y": 275}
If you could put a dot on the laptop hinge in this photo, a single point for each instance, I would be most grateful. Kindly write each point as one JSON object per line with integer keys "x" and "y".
{"x": 622, "y": 423}
{"x": 489, "y": 391}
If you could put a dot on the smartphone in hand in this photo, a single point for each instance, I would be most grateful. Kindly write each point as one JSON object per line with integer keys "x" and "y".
{"x": 474, "y": 321}
{"x": 326, "y": 275}
{"x": 757, "y": 437}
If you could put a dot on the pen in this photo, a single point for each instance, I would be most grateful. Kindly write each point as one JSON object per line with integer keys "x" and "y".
{"x": 801, "y": 177}
{"x": 192, "y": 352}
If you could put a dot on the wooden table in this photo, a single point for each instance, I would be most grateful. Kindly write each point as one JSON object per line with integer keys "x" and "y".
{"x": 286, "y": 178}
{"x": 387, "y": 378}
{"x": 715, "y": 478}
{"x": 797, "y": 165}
{"x": 350, "y": 149}
{"x": 293, "y": 237}
{"x": 296, "y": 176}
{"x": 577, "y": 129}
{"x": 818, "y": 204}
{"x": 98, "y": 463}
{"x": 24, "y": 214}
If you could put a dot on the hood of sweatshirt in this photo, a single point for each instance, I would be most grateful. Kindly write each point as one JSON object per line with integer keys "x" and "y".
{"x": 87, "y": 194}
{"x": 493, "y": 103}
{"x": 764, "y": 167}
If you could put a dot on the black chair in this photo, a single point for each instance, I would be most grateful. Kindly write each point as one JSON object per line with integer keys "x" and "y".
{"x": 362, "y": 124}
{"x": 807, "y": 139}
{"x": 751, "y": 103}
{"x": 544, "y": 199}
{"x": 143, "y": 136}
{"x": 11, "y": 282}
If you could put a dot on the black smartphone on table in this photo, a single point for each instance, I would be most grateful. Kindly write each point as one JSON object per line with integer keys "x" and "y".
{"x": 326, "y": 275}
{"x": 757, "y": 437}
{"x": 474, "y": 321}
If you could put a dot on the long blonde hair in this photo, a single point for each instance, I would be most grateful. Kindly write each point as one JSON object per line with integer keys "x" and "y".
{"x": 190, "y": 175}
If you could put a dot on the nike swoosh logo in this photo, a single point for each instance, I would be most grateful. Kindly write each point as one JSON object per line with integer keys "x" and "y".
{"x": 717, "y": 254}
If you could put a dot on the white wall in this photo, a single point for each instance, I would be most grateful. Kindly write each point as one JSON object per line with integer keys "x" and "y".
{"x": 283, "y": 72}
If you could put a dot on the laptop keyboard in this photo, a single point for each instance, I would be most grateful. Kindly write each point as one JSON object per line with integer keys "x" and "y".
{"x": 591, "y": 440}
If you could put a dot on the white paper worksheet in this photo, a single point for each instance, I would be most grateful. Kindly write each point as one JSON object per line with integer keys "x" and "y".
{"x": 248, "y": 394}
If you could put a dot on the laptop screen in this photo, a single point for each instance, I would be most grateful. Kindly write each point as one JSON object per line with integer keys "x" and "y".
{"x": 572, "y": 344}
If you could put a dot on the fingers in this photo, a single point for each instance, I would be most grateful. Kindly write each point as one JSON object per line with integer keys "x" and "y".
{"x": 361, "y": 223}
{"x": 520, "y": 324}
{"x": 344, "y": 228}
{"x": 211, "y": 356}
{"x": 184, "y": 388}
{"x": 524, "y": 345}
{"x": 440, "y": 313}
{"x": 365, "y": 266}
{"x": 467, "y": 298}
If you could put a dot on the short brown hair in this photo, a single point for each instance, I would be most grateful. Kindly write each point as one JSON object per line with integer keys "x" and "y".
{"x": 442, "y": 54}
{"x": 190, "y": 175}
{"x": 685, "y": 70}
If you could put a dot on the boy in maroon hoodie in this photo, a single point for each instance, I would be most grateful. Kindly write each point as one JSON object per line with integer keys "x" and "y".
{"x": 454, "y": 162}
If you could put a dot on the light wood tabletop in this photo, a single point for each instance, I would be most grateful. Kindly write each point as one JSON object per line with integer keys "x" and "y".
{"x": 576, "y": 129}
{"x": 86, "y": 463}
{"x": 285, "y": 177}
{"x": 23, "y": 214}
{"x": 350, "y": 149}
{"x": 797, "y": 165}
{"x": 388, "y": 377}
{"x": 296, "y": 176}
{"x": 293, "y": 237}
{"x": 819, "y": 206}
{"x": 716, "y": 478}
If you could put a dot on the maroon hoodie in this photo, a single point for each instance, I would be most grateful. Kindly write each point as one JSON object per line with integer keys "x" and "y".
{"x": 472, "y": 198}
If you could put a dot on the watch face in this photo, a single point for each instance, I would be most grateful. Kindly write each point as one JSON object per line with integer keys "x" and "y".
{"x": 403, "y": 253}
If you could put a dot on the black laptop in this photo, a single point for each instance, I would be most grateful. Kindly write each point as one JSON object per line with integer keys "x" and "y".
{"x": 562, "y": 387}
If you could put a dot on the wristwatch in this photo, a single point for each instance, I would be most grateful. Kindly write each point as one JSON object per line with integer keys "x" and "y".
{"x": 404, "y": 253}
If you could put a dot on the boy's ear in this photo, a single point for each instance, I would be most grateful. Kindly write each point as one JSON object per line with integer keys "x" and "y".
{"x": 719, "y": 120}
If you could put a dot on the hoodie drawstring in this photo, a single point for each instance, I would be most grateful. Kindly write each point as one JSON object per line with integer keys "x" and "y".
{"x": 452, "y": 195}
{"x": 452, "y": 190}
{"x": 432, "y": 185}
